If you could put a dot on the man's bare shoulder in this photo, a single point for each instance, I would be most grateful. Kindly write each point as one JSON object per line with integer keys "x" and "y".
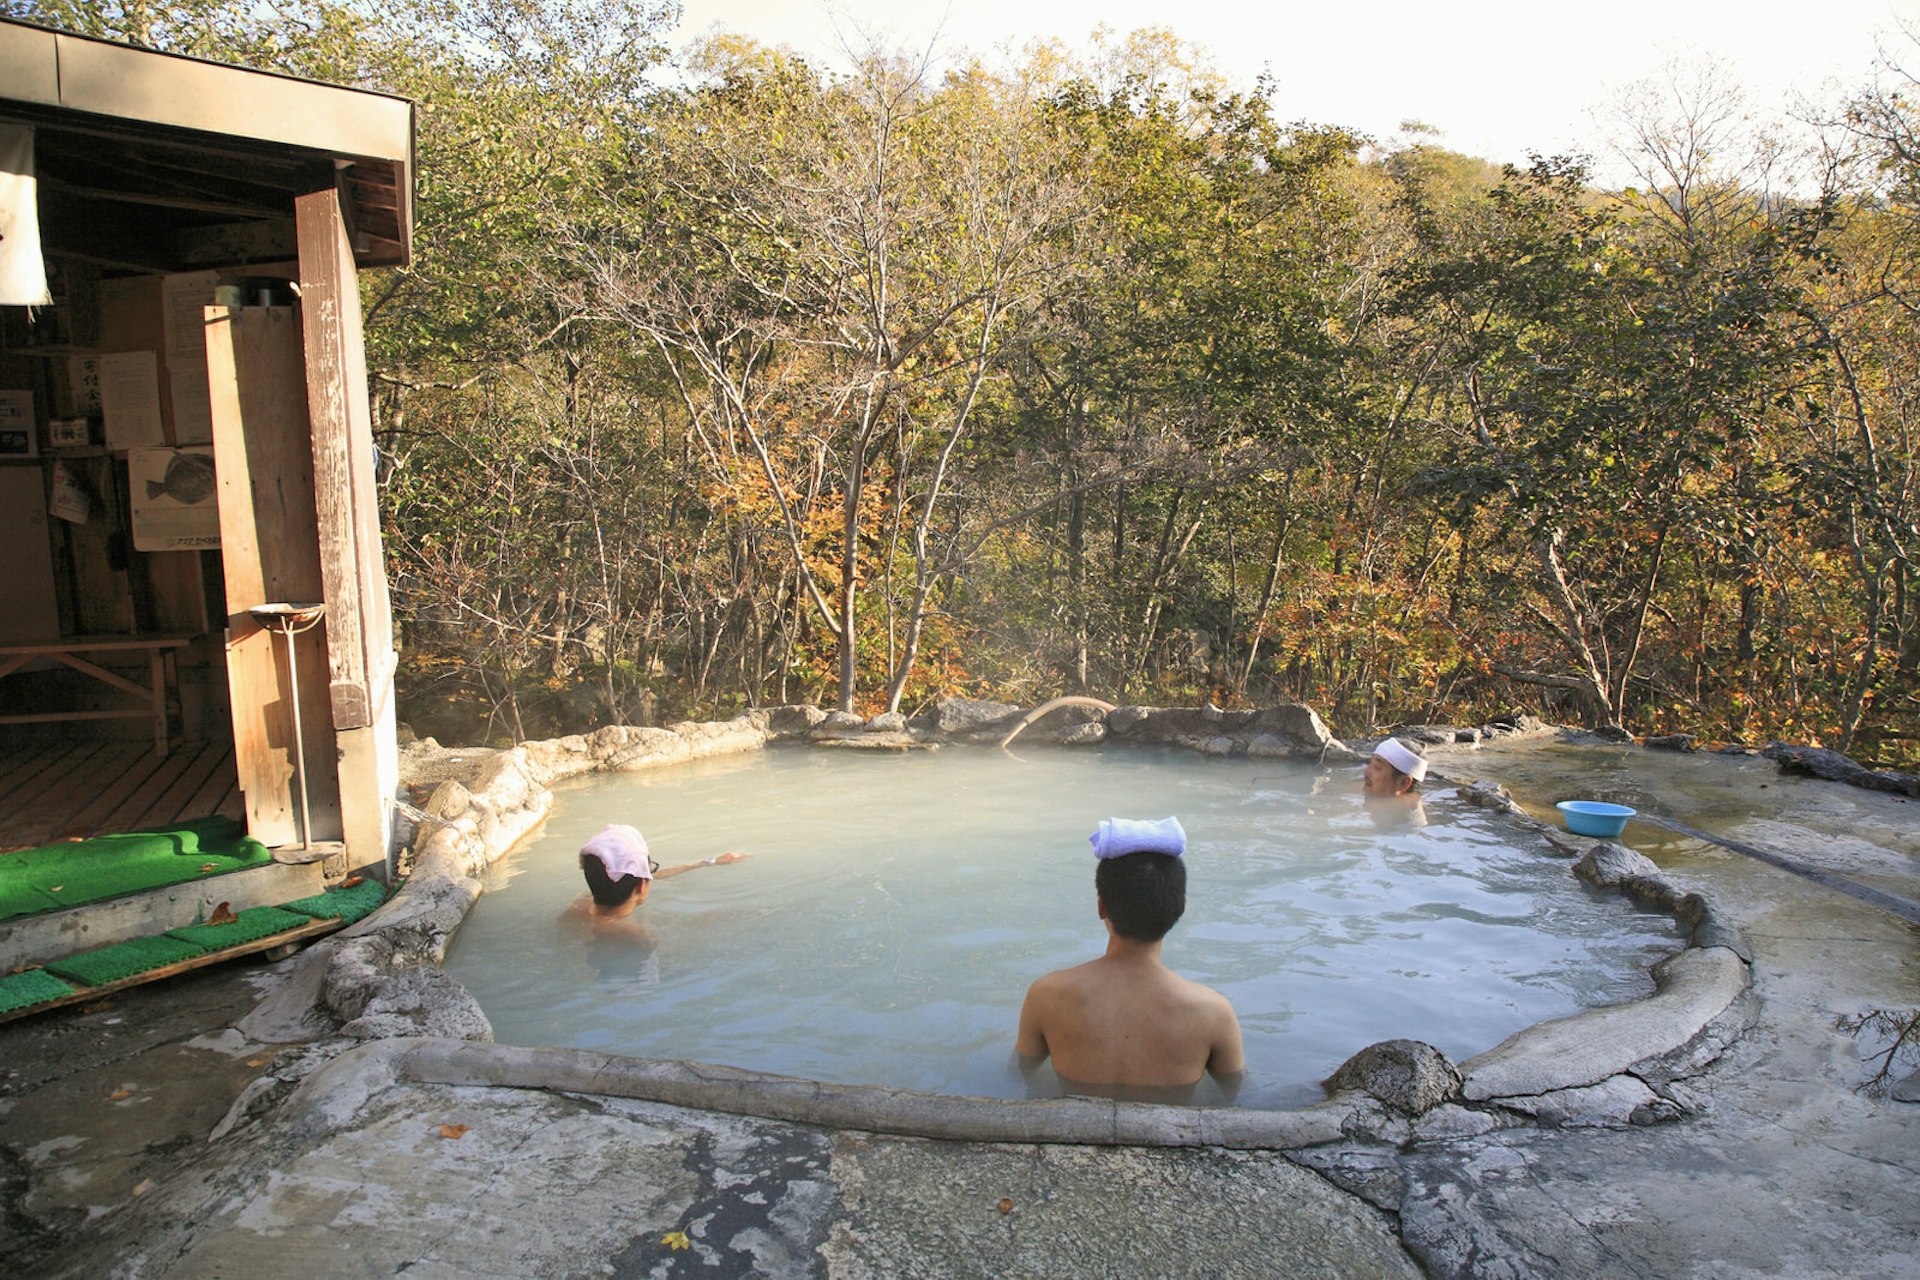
{"x": 1065, "y": 981}
{"x": 1199, "y": 997}
{"x": 1200, "y": 991}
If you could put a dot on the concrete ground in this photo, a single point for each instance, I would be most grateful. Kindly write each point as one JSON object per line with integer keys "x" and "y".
{"x": 148, "y": 1137}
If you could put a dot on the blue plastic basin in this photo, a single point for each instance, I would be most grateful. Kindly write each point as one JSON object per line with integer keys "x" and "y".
{"x": 1595, "y": 817}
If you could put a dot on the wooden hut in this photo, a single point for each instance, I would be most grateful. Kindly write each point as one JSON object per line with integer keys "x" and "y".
{"x": 194, "y": 610}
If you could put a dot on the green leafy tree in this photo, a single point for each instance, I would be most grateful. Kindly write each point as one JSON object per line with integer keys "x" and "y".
{"x": 827, "y": 266}
{"x": 1186, "y": 343}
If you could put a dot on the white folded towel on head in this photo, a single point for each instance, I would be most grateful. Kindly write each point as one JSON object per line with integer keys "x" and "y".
{"x": 1118, "y": 837}
{"x": 622, "y": 850}
{"x": 1404, "y": 758}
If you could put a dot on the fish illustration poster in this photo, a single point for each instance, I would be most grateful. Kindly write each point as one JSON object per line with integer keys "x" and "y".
{"x": 174, "y": 508}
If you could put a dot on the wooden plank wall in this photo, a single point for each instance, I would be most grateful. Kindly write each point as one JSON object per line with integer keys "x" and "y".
{"x": 361, "y": 652}
{"x": 28, "y": 600}
{"x": 132, "y": 318}
{"x": 360, "y": 648}
{"x": 269, "y": 543}
{"x": 95, "y": 583}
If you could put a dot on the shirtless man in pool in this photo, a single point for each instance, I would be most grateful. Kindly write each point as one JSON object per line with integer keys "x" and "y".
{"x": 619, "y": 873}
{"x": 1125, "y": 1024}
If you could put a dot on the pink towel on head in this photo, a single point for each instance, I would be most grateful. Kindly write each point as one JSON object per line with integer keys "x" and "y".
{"x": 1118, "y": 837}
{"x": 622, "y": 850}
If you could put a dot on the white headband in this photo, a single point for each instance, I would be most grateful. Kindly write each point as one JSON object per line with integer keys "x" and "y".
{"x": 1403, "y": 758}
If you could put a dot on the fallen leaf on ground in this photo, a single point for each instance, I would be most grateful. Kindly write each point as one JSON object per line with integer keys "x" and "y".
{"x": 222, "y": 914}
{"x": 141, "y": 1187}
{"x": 55, "y": 888}
{"x": 260, "y": 1062}
{"x": 351, "y": 881}
{"x": 206, "y": 866}
{"x": 452, "y": 1130}
{"x": 118, "y": 1094}
{"x": 676, "y": 1240}
{"x": 1006, "y": 1205}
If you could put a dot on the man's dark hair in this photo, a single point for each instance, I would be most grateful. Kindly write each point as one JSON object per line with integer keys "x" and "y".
{"x": 1144, "y": 893}
{"x": 606, "y": 891}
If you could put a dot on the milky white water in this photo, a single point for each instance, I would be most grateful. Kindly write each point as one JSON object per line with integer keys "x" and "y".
{"x": 896, "y": 907}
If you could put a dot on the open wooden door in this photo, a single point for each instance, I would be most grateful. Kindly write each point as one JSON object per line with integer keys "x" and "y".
{"x": 258, "y": 397}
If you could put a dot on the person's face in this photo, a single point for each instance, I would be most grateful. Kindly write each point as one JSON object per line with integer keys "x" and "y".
{"x": 1382, "y": 779}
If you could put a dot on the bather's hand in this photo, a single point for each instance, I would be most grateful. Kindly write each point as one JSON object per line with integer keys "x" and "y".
{"x": 729, "y": 856}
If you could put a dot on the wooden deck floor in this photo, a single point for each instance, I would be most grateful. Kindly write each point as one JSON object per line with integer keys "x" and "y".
{"x": 82, "y": 789}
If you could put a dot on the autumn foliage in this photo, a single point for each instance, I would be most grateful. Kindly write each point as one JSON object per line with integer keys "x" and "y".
{"x": 758, "y": 383}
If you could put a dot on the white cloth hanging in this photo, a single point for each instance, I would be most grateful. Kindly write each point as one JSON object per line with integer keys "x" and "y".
{"x": 23, "y": 272}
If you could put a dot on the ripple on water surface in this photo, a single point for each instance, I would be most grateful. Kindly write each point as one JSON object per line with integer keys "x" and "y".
{"x": 896, "y": 907}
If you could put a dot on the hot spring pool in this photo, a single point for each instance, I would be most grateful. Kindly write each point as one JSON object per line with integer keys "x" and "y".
{"x": 896, "y": 907}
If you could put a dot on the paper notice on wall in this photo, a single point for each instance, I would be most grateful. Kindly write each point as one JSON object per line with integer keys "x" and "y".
{"x": 83, "y": 384}
{"x": 130, "y": 399}
{"x": 19, "y": 437}
{"x": 23, "y": 272}
{"x": 69, "y": 499}
{"x": 184, "y": 299}
{"x": 192, "y": 405}
{"x": 174, "y": 507}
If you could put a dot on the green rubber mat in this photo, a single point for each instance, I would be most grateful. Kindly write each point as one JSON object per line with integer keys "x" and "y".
{"x": 124, "y": 959}
{"x": 65, "y": 875}
{"x": 35, "y": 986}
{"x": 248, "y": 926}
{"x": 346, "y": 905}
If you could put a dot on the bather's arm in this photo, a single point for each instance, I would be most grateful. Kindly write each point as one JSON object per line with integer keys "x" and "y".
{"x": 1228, "y": 1083}
{"x": 1226, "y": 1056}
{"x": 715, "y": 861}
{"x": 1030, "y": 1044}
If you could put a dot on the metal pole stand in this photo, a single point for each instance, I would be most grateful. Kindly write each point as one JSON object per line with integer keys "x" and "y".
{"x": 291, "y": 620}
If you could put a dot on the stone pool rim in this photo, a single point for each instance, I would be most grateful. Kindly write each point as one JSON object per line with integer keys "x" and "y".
{"x": 381, "y": 981}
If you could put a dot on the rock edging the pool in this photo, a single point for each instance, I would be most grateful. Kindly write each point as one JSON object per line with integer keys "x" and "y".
{"x": 380, "y": 981}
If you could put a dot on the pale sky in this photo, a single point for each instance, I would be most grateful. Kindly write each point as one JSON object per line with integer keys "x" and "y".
{"x": 1498, "y": 78}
